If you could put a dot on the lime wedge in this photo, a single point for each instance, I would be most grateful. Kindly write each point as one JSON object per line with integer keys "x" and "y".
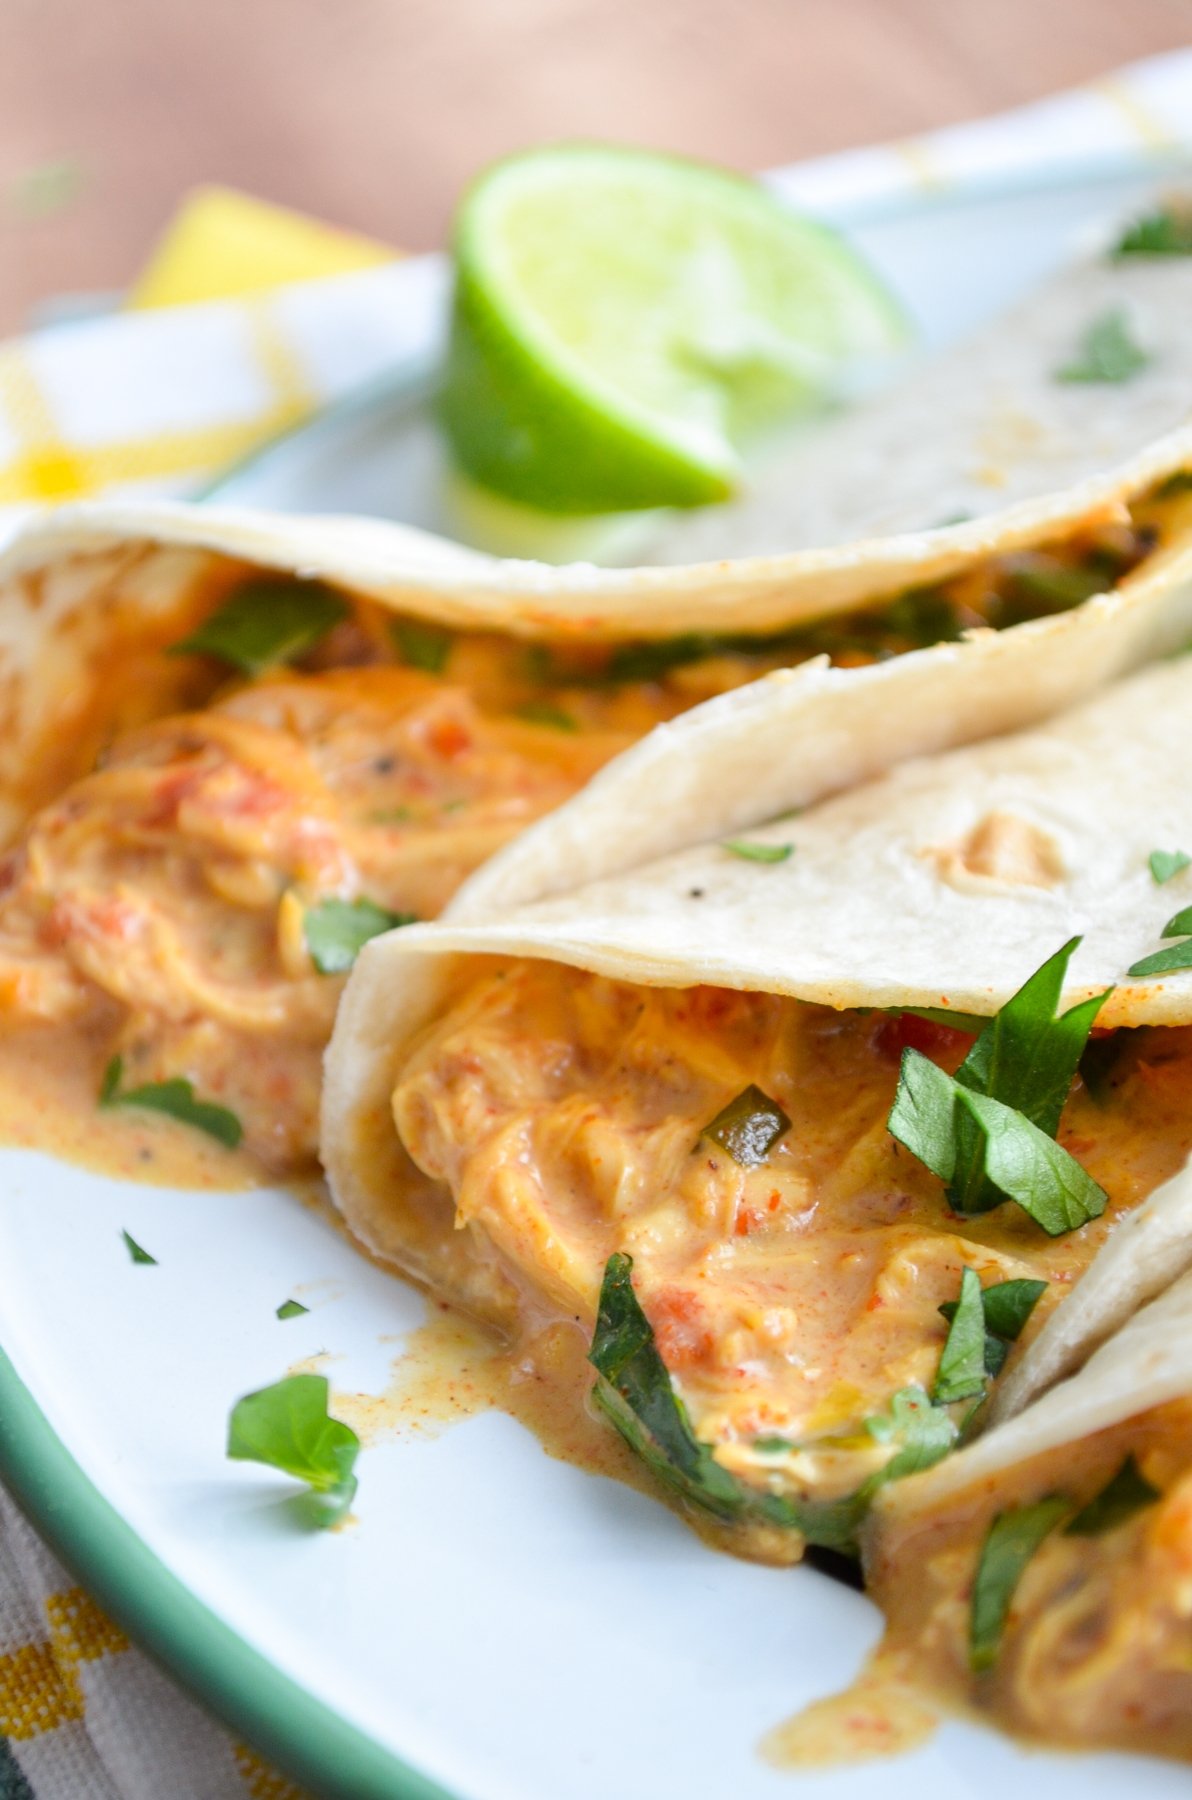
{"x": 623, "y": 322}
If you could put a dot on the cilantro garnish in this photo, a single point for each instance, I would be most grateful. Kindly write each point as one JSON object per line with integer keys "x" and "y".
{"x": 1059, "y": 584}
{"x": 748, "y": 1127}
{"x": 1009, "y": 1544}
{"x": 758, "y": 853}
{"x": 1013, "y": 1159}
{"x": 541, "y": 712}
{"x": 1164, "y": 864}
{"x": 651, "y": 660}
{"x": 176, "y": 1098}
{"x": 136, "y": 1253}
{"x": 924, "y": 1432}
{"x": 961, "y": 1374}
{"x": 336, "y": 931}
{"x": 266, "y": 622}
{"x": 1125, "y": 1494}
{"x": 288, "y": 1427}
{"x": 1005, "y": 1308}
{"x": 988, "y": 1132}
{"x": 1107, "y": 351}
{"x": 291, "y": 1309}
{"x": 1165, "y": 232}
{"x": 635, "y": 1392}
{"x": 1176, "y": 956}
{"x": 421, "y": 644}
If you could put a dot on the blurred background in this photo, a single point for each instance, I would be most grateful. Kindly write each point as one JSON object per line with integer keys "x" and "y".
{"x": 373, "y": 113}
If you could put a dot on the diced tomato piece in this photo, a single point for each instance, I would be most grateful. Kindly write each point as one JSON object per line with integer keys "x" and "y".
{"x": 906, "y": 1031}
{"x": 448, "y": 738}
{"x": 680, "y": 1328}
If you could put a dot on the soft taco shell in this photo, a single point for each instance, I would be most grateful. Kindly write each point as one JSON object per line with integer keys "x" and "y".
{"x": 894, "y": 895}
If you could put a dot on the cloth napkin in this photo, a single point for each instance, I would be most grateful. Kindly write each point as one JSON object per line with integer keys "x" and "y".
{"x": 156, "y": 399}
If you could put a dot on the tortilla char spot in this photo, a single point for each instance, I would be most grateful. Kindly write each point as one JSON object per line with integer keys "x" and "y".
{"x": 1002, "y": 850}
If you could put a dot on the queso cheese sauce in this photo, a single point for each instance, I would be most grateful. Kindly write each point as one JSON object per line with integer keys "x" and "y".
{"x": 564, "y": 1114}
{"x": 1097, "y": 1646}
{"x": 182, "y": 822}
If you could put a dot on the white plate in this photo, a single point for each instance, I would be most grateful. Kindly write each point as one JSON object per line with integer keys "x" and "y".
{"x": 497, "y": 1626}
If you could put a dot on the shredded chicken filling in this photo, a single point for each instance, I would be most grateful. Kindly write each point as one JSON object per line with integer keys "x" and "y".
{"x": 564, "y": 1113}
{"x": 154, "y": 910}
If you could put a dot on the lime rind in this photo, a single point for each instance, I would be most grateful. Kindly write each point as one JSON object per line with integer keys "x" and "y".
{"x": 624, "y": 321}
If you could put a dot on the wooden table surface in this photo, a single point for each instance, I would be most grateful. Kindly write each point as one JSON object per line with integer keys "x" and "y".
{"x": 373, "y": 112}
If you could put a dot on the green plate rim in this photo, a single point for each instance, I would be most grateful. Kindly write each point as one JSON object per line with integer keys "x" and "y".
{"x": 283, "y": 1721}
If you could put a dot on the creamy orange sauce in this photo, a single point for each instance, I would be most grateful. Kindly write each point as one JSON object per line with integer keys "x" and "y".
{"x": 452, "y": 1368}
{"x": 1097, "y": 1649}
{"x": 177, "y": 823}
{"x": 563, "y": 1115}
{"x": 885, "y": 1712}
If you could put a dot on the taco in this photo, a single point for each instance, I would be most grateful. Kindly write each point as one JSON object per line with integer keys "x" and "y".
{"x": 1039, "y": 1578}
{"x": 748, "y": 1117}
{"x": 234, "y": 747}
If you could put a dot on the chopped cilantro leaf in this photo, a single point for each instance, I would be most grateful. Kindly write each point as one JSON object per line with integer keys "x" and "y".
{"x": 291, "y": 1309}
{"x": 175, "y": 1098}
{"x": 1009, "y": 1304}
{"x": 421, "y": 644}
{"x": 288, "y": 1427}
{"x": 541, "y": 712}
{"x": 1058, "y": 584}
{"x": 748, "y": 1127}
{"x": 988, "y": 1132}
{"x": 1163, "y": 962}
{"x": 1006, "y": 1306}
{"x": 961, "y": 1374}
{"x": 1017, "y": 1160}
{"x": 1010, "y": 1542}
{"x": 1176, "y": 956}
{"x": 336, "y": 931}
{"x": 266, "y": 622}
{"x": 772, "y": 1445}
{"x": 135, "y": 1251}
{"x": 1027, "y": 1166}
{"x": 1166, "y": 863}
{"x": 1125, "y": 1494}
{"x": 1107, "y": 351}
{"x": 1027, "y": 1054}
{"x": 758, "y": 853}
{"x": 923, "y": 1432}
{"x": 656, "y": 657}
{"x": 1165, "y": 232}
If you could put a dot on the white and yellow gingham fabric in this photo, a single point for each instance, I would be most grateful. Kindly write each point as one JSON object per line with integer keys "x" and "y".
{"x": 155, "y": 400}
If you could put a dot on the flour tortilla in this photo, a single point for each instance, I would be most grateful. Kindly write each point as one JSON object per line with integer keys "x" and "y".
{"x": 88, "y": 582}
{"x": 979, "y": 428}
{"x": 875, "y": 907}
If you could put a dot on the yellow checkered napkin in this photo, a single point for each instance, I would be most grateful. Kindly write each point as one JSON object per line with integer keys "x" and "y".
{"x": 157, "y": 398}
{"x": 86, "y": 1717}
{"x": 210, "y": 357}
